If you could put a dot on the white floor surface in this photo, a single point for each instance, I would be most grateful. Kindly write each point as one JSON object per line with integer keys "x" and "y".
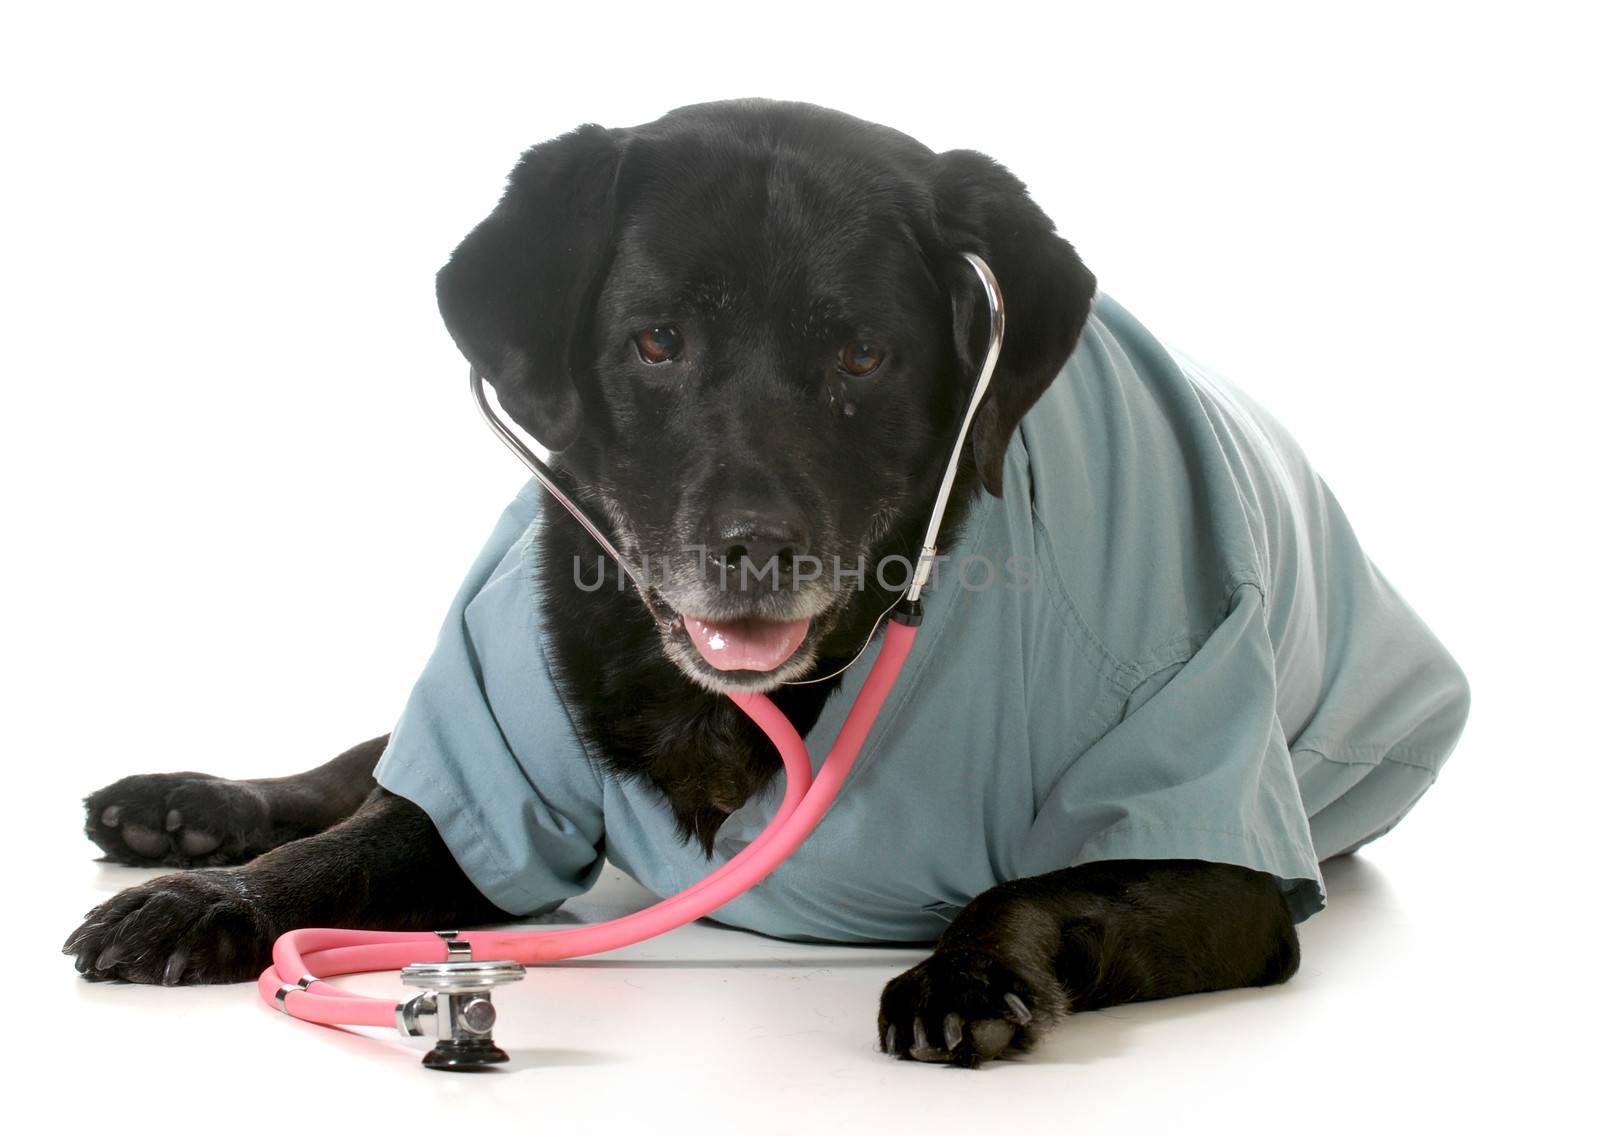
{"x": 1414, "y": 1006}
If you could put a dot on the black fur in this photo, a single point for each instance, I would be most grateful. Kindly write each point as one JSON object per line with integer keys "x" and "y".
{"x": 769, "y": 235}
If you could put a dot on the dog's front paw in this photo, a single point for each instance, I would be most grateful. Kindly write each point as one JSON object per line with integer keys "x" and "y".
{"x": 180, "y": 820}
{"x": 964, "y": 1007}
{"x": 188, "y": 927}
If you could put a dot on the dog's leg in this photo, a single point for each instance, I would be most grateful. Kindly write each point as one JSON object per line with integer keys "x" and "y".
{"x": 1023, "y": 955}
{"x": 385, "y": 867}
{"x": 194, "y": 820}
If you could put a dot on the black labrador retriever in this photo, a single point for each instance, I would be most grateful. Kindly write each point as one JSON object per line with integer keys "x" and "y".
{"x": 547, "y": 298}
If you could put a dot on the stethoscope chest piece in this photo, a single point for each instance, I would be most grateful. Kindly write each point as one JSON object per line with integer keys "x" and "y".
{"x": 456, "y": 996}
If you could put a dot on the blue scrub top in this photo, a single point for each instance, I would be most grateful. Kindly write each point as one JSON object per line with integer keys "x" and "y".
{"x": 1183, "y": 653}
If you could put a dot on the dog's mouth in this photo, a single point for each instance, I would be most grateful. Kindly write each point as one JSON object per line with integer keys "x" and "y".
{"x": 730, "y": 653}
{"x": 750, "y": 644}
{"x": 744, "y": 651}
{"x": 751, "y": 632}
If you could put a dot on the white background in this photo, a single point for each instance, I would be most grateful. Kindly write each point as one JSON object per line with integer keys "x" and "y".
{"x": 242, "y": 479}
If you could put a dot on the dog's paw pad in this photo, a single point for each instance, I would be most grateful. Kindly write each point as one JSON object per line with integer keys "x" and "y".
{"x": 196, "y": 843}
{"x": 991, "y": 1037}
{"x": 143, "y": 841}
{"x": 987, "y": 1039}
{"x": 178, "y": 819}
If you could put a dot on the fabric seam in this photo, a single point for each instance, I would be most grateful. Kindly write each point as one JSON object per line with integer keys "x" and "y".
{"x": 1398, "y": 755}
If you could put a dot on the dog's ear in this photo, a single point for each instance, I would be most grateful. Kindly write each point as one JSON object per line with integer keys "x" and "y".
{"x": 983, "y": 208}
{"x": 517, "y": 293}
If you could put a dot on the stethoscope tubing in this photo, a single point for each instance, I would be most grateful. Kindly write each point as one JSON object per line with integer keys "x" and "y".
{"x": 302, "y": 959}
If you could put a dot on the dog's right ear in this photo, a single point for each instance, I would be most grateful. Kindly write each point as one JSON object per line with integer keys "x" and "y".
{"x": 517, "y": 292}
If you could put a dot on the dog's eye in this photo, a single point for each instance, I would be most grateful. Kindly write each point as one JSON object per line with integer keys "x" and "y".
{"x": 859, "y": 358}
{"x": 659, "y": 344}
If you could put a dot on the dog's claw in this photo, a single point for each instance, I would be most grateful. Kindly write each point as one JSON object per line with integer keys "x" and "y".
{"x": 965, "y": 1008}
{"x": 112, "y": 816}
{"x": 888, "y": 1041}
{"x": 174, "y": 820}
{"x": 178, "y": 929}
{"x": 1019, "y": 1009}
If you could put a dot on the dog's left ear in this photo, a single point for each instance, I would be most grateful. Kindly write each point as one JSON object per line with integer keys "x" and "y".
{"x": 983, "y": 208}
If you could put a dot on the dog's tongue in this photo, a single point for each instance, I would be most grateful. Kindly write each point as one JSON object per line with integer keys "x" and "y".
{"x": 745, "y": 644}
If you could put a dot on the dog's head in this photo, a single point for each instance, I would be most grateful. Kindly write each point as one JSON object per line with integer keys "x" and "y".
{"x": 747, "y": 333}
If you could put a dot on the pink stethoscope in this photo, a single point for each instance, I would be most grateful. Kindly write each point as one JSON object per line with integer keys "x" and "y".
{"x": 455, "y": 987}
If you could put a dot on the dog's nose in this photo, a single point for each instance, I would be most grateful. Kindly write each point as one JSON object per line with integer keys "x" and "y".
{"x": 759, "y": 545}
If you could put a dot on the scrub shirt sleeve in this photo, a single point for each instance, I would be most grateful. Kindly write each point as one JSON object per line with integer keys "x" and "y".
{"x": 485, "y": 746}
{"x": 1197, "y": 768}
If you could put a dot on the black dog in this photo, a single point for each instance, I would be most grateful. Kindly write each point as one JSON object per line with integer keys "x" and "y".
{"x": 779, "y": 232}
